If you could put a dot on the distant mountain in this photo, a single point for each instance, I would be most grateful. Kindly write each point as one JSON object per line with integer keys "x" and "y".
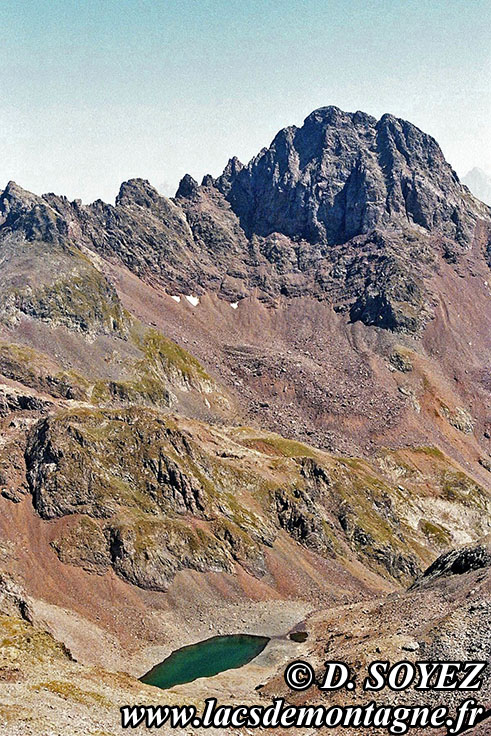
{"x": 479, "y": 183}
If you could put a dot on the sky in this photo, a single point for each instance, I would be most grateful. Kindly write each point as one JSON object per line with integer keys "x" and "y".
{"x": 94, "y": 92}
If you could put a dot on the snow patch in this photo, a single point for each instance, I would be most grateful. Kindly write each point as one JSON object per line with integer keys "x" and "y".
{"x": 234, "y": 305}
{"x": 194, "y": 300}
{"x": 175, "y": 297}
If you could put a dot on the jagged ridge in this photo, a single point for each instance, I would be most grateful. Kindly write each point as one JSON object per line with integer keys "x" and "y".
{"x": 346, "y": 208}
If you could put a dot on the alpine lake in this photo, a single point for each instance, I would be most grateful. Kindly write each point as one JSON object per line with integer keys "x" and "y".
{"x": 205, "y": 659}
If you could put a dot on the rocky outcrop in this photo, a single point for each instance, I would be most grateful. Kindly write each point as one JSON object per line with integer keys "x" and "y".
{"x": 457, "y": 562}
{"x": 64, "y": 478}
{"x": 145, "y": 231}
{"x": 13, "y": 598}
{"x": 84, "y": 544}
{"x": 299, "y": 516}
{"x": 148, "y": 495}
{"x": 16, "y": 401}
{"x": 21, "y": 211}
{"x": 150, "y": 556}
{"x": 144, "y": 502}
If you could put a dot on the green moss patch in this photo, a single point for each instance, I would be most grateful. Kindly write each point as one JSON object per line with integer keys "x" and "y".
{"x": 435, "y": 533}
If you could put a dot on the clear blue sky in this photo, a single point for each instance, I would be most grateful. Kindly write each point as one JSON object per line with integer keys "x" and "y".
{"x": 93, "y": 92}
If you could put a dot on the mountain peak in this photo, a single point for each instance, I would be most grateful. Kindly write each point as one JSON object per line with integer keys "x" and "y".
{"x": 231, "y": 170}
{"x": 137, "y": 191}
{"x": 345, "y": 174}
{"x": 22, "y": 210}
{"x": 346, "y": 208}
{"x": 479, "y": 183}
{"x": 187, "y": 186}
{"x": 15, "y": 193}
{"x": 332, "y": 115}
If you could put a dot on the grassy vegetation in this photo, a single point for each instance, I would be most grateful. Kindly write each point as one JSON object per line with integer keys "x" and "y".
{"x": 69, "y": 691}
{"x": 162, "y": 355}
{"x": 163, "y": 366}
{"x": 144, "y": 389}
{"x": 276, "y": 445}
{"x": 34, "y": 645}
{"x": 36, "y": 370}
{"x": 435, "y": 533}
{"x": 457, "y": 486}
{"x": 82, "y": 300}
{"x": 433, "y": 452}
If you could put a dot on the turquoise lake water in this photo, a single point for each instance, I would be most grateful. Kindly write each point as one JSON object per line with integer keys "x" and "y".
{"x": 205, "y": 659}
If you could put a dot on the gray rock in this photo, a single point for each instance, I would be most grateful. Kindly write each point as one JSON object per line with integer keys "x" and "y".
{"x": 344, "y": 174}
{"x": 345, "y": 209}
{"x": 458, "y": 562}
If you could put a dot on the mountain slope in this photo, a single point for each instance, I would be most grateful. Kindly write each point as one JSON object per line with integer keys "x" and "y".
{"x": 265, "y": 396}
{"x": 445, "y": 616}
{"x": 402, "y": 269}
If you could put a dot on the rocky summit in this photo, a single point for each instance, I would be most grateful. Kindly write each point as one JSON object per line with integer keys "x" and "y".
{"x": 346, "y": 174}
{"x": 259, "y": 406}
